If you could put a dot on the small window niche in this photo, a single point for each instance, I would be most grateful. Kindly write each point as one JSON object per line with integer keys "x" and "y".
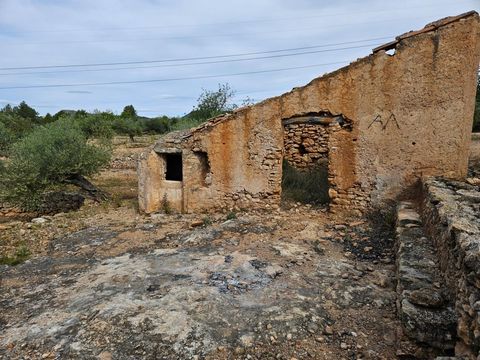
{"x": 174, "y": 167}
{"x": 204, "y": 167}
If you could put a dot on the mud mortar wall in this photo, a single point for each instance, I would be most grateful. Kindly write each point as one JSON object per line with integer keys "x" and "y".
{"x": 410, "y": 116}
{"x": 245, "y": 157}
{"x": 451, "y": 214}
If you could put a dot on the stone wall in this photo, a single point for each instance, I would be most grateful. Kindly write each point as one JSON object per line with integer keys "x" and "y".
{"x": 305, "y": 144}
{"x": 424, "y": 307}
{"x": 397, "y": 118}
{"x": 451, "y": 214}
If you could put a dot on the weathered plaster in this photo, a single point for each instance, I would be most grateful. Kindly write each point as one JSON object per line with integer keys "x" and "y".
{"x": 409, "y": 115}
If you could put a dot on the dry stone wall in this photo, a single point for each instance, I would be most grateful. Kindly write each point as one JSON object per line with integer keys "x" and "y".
{"x": 451, "y": 214}
{"x": 305, "y": 144}
{"x": 424, "y": 308}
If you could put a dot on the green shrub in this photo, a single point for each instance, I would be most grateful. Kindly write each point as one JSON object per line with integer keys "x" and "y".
{"x": 128, "y": 126}
{"x": 186, "y": 123}
{"x": 97, "y": 125}
{"x": 22, "y": 253}
{"x": 6, "y": 139}
{"x": 231, "y": 215}
{"x": 14, "y": 127}
{"x": 166, "y": 207}
{"x": 308, "y": 186}
{"x": 212, "y": 103}
{"x": 159, "y": 125}
{"x": 49, "y": 156}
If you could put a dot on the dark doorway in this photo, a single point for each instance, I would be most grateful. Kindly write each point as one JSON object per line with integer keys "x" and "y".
{"x": 305, "y": 163}
{"x": 174, "y": 167}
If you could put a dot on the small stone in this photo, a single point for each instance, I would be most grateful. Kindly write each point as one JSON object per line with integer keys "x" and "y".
{"x": 269, "y": 326}
{"x": 196, "y": 223}
{"x": 332, "y": 193}
{"x": 289, "y": 336}
{"x": 382, "y": 280}
{"x": 39, "y": 220}
{"x": 343, "y": 346}
{"x": 238, "y": 350}
{"x": 426, "y": 297}
{"x": 344, "y": 276}
{"x": 328, "y": 330}
{"x": 105, "y": 355}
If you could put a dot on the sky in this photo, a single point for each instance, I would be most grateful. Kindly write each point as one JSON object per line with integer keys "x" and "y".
{"x": 160, "y": 54}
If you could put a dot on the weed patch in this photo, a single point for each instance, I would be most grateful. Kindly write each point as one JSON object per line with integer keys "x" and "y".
{"x": 309, "y": 186}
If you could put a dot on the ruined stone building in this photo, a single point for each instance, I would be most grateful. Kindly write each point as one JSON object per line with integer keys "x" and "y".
{"x": 382, "y": 122}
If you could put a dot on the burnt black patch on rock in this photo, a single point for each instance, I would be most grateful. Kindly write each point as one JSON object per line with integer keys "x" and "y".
{"x": 373, "y": 240}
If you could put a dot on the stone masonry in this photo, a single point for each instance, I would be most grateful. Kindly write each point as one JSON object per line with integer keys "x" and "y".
{"x": 305, "y": 144}
{"x": 392, "y": 120}
{"x": 451, "y": 214}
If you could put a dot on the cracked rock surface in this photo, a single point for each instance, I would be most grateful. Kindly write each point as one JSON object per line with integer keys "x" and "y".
{"x": 271, "y": 285}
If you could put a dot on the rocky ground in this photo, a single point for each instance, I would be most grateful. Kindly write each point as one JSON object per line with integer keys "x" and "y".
{"x": 105, "y": 282}
{"x": 277, "y": 285}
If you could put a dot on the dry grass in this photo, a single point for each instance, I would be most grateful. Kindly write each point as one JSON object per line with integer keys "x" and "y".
{"x": 122, "y": 186}
{"x": 19, "y": 239}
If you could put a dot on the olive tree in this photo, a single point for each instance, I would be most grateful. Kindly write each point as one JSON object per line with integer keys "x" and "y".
{"x": 212, "y": 103}
{"x": 49, "y": 157}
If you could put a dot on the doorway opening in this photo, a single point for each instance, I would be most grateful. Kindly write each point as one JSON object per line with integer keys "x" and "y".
{"x": 305, "y": 163}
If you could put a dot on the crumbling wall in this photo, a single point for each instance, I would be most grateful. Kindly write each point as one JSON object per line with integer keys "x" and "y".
{"x": 411, "y": 112}
{"x": 409, "y": 116}
{"x": 155, "y": 192}
{"x": 245, "y": 160}
{"x": 451, "y": 214}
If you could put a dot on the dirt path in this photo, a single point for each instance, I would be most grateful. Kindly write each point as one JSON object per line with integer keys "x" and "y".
{"x": 277, "y": 285}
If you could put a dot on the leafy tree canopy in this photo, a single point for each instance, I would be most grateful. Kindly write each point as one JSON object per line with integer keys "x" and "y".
{"x": 49, "y": 156}
{"x": 21, "y": 110}
{"x": 128, "y": 126}
{"x": 212, "y": 103}
{"x": 129, "y": 112}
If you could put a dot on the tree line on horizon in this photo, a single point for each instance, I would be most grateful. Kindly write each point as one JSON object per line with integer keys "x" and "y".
{"x": 39, "y": 154}
{"x": 46, "y": 153}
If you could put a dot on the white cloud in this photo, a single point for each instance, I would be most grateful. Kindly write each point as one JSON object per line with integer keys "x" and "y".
{"x": 45, "y": 32}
